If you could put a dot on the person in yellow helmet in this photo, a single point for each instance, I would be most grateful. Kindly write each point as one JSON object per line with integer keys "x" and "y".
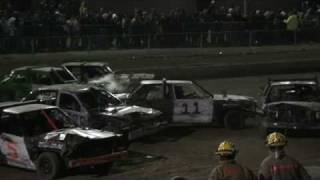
{"x": 278, "y": 165}
{"x": 228, "y": 168}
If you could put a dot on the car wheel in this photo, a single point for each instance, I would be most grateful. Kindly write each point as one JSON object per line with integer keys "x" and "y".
{"x": 103, "y": 169}
{"x": 123, "y": 141}
{"x": 49, "y": 166}
{"x": 235, "y": 119}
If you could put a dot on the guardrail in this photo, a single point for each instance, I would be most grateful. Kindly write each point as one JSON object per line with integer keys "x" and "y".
{"x": 168, "y": 40}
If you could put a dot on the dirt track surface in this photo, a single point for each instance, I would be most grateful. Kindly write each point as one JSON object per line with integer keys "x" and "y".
{"x": 187, "y": 63}
{"x": 189, "y": 151}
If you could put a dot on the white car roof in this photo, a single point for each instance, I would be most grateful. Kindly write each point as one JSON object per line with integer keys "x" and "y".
{"x": 167, "y": 81}
{"x": 279, "y": 83}
{"x": 85, "y": 64}
{"x": 67, "y": 87}
{"x": 38, "y": 68}
{"x": 27, "y": 108}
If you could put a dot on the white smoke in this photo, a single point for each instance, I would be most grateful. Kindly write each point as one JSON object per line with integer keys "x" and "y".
{"x": 120, "y": 83}
{"x": 112, "y": 82}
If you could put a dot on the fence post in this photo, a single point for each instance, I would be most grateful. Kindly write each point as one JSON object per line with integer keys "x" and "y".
{"x": 295, "y": 37}
{"x": 250, "y": 38}
{"x": 32, "y": 45}
{"x": 149, "y": 41}
{"x": 89, "y": 45}
{"x": 201, "y": 40}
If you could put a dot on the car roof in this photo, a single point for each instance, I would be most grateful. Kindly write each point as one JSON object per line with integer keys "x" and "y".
{"x": 85, "y": 64}
{"x": 37, "y": 68}
{"x": 167, "y": 81}
{"x": 23, "y": 68}
{"x": 27, "y": 108}
{"x": 9, "y": 103}
{"x": 67, "y": 87}
{"x": 299, "y": 82}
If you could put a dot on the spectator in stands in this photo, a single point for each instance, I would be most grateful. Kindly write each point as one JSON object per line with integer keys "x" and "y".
{"x": 11, "y": 24}
{"x": 50, "y": 21}
{"x": 212, "y": 9}
{"x": 2, "y": 24}
{"x": 83, "y": 10}
{"x": 292, "y": 21}
{"x": 292, "y": 26}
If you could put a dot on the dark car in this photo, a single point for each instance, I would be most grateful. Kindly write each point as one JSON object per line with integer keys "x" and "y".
{"x": 291, "y": 104}
{"x": 88, "y": 70}
{"x": 92, "y": 106}
{"x": 185, "y": 102}
{"x": 22, "y": 80}
{"x": 42, "y": 138}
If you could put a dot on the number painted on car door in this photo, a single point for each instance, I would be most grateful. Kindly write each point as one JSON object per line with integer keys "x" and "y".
{"x": 191, "y": 105}
{"x": 193, "y": 111}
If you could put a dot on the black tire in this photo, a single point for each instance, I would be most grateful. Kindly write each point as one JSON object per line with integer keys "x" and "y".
{"x": 102, "y": 169}
{"x": 49, "y": 166}
{"x": 235, "y": 119}
{"x": 123, "y": 141}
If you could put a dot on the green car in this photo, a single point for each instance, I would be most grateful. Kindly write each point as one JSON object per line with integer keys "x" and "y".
{"x": 22, "y": 80}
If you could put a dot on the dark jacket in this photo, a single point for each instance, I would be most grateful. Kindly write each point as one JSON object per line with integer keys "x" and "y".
{"x": 231, "y": 170}
{"x": 283, "y": 168}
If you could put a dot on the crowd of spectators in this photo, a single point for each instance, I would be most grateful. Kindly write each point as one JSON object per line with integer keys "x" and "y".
{"x": 73, "y": 19}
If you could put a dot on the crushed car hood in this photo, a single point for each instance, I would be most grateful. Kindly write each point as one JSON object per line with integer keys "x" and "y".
{"x": 231, "y": 97}
{"x": 315, "y": 106}
{"x": 86, "y": 133}
{"x": 122, "y": 96}
{"x": 120, "y": 111}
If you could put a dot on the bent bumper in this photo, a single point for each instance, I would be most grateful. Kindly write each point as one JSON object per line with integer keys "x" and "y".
{"x": 293, "y": 126}
{"x": 98, "y": 160}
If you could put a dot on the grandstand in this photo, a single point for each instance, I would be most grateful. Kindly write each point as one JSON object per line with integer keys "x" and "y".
{"x": 60, "y": 25}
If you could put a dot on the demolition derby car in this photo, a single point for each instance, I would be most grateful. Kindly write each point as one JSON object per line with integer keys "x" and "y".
{"x": 185, "y": 102}
{"x": 100, "y": 73}
{"x": 291, "y": 104}
{"x": 89, "y": 70}
{"x": 92, "y": 106}
{"x": 42, "y": 138}
{"x": 22, "y": 80}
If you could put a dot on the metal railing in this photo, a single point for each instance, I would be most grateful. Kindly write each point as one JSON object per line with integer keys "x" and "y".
{"x": 168, "y": 40}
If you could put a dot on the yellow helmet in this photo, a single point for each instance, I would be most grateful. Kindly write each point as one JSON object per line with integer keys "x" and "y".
{"x": 276, "y": 139}
{"x": 226, "y": 148}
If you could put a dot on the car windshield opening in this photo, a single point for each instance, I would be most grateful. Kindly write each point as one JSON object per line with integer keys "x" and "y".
{"x": 57, "y": 118}
{"x": 97, "y": 99}
{"x": 293, "y": 93}
{"x": 65, "y": 75}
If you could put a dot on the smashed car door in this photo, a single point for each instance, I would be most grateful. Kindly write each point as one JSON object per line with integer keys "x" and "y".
{"x": 156, "y": 96}
{"x": 190, "y": 106}
{"x": 14, "y": 149}
{"x": 12, "y": 144}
